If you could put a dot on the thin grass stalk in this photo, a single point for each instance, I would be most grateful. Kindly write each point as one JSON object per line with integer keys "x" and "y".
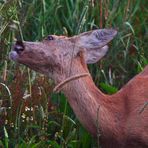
{"x": 9, "y": 92}
{"x": 29, "y": 81}
{"x": 101, "y": 15}
{"x": 5, "y": 71}
{"x": 127, "y": 9}
{"x": 18, "y": 120}
{"x": 82, "y": 19}
{"x": 6, "y": 138}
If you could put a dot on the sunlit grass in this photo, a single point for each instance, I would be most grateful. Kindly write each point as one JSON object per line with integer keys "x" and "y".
{"x": 30, "y": 114}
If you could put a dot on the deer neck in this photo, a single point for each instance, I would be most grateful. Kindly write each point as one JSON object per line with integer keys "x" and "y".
{"x": 83, "y": 96}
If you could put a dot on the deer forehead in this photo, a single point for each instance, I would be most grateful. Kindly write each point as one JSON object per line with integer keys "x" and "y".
{"x": 61, "y": 45}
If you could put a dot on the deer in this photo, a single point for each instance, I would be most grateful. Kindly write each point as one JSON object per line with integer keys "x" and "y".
{"x": 119, "y": 120}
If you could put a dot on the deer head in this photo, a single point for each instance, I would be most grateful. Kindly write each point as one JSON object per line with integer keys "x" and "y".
{"x": 54, "y": 54}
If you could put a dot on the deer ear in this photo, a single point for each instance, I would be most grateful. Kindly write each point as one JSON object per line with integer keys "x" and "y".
{"x": 94, "y": 43}
{"x": 94, "y": 55}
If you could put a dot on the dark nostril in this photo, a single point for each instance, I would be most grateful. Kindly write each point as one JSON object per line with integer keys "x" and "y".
{"x": 50, "y": 37}
{"x": 19, "y": 47}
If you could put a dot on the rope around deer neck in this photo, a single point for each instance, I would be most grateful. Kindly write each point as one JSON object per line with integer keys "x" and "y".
{"x": 59, "y": 86}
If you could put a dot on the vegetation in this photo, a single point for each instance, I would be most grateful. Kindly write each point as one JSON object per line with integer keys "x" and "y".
{"x": 30, "y": 114}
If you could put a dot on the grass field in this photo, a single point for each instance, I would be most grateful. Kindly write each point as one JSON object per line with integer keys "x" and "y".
{"x": 30, "y": 114}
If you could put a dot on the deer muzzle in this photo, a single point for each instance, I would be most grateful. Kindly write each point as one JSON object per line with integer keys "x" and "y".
{"x": 18, "y": 48}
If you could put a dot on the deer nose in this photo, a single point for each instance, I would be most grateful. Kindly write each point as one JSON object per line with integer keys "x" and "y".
{"x": 18, "y": 47}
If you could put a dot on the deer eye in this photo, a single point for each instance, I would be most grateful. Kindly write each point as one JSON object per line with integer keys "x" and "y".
{"x": 50, "y": 37}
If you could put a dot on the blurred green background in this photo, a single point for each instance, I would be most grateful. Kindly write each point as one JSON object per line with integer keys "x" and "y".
{"x": 30, "y": 114}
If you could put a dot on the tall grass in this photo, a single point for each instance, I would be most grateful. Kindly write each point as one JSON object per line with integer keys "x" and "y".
{"x": 30, "y": 114}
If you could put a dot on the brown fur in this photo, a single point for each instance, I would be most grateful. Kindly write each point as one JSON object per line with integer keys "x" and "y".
{"x": 119, "y": 120}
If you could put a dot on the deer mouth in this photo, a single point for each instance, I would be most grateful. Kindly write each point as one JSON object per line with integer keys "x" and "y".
{"x": 18, "y": 48}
